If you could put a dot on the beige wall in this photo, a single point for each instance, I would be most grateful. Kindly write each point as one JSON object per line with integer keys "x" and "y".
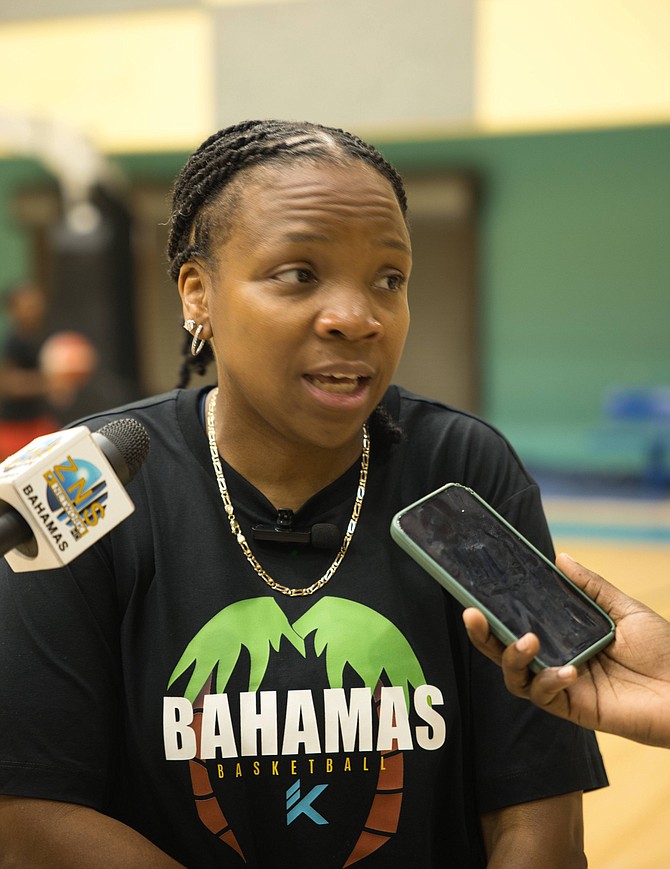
{"x": 560, "y": 63}
{"x": 161, "y": 80}
{"x": 140, "y": 81}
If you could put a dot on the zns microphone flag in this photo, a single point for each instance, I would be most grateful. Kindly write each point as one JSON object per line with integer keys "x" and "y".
{"x": 66, "y": 490}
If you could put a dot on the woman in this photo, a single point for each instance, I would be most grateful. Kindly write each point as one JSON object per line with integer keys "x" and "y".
{"x": 247, "y": 698}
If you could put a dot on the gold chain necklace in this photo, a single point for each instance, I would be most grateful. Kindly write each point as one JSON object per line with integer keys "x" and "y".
{"x": 237, "y": 531}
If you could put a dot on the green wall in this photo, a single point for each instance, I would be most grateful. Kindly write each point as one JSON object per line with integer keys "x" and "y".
{"x": 574, "y": 275}
{"x": 575, "y": 282}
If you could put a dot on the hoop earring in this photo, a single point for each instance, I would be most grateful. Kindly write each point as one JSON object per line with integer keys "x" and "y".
{"x": 198, "y": 343}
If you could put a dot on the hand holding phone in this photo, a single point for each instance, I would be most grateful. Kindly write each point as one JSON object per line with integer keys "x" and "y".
{"x": 480, "y": 559}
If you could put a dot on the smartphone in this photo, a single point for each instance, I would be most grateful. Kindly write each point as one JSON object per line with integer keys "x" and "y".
{"x": 484, "y": 562}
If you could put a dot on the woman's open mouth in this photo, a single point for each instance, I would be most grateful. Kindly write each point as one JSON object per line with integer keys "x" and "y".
{"x": 343, "y": 384}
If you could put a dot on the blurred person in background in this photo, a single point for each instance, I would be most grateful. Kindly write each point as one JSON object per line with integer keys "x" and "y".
{"x": 44, "y": 378}
{"x": 69, "y": 362}
{"x": 25, "y": 409}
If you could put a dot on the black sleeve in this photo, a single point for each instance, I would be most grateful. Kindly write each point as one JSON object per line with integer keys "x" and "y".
{"x": 523, "y": 753}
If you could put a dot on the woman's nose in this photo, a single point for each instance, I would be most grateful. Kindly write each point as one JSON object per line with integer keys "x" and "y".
{"x": 348, "y": 315}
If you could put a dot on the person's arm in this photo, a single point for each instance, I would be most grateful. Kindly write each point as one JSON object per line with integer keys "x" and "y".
{"x": 45, "y": 834}
{"x": 547, "y": 833}
{"x": 624, "y": 690}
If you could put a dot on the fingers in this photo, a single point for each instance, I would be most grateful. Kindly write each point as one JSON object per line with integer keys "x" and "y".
{"x": 542, "y": 689}
{"x": 480, "y": 635}
{"x": 515, "y": 661}
{"x": 548, "y": 684}
{"x": 546, "y": 688}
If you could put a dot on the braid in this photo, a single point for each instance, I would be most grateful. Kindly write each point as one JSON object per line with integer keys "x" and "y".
{"x": 191, "y": 363}
{"x": 220, "y": 158}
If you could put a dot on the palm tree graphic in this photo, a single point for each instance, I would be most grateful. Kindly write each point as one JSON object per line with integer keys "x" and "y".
{"x": 346, "y": 633}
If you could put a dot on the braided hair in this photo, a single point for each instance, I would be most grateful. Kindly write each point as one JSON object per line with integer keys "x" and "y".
{"x": 220, "y": 158}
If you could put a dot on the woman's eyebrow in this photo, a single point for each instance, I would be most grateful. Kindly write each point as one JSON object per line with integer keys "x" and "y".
{"x": 397, "y": 244}
{"x": 301, "y": 237}
{"x": 305, "y": 236}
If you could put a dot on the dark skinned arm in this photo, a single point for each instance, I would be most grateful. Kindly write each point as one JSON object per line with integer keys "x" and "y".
{"x": 45, "y": 834}
{"x": 547, "y": 833}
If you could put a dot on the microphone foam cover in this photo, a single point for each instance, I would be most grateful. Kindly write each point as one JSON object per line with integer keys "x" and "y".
{"x": 131, "y": 440}
{"x": 325, "y": 536}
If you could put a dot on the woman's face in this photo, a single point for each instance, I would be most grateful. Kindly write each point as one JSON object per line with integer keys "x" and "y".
{"x": 307, "y": 300}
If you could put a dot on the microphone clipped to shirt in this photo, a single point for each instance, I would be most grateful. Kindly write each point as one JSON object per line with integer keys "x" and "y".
{"x": 322, "y": 535}
{"x": 64, "y": 491}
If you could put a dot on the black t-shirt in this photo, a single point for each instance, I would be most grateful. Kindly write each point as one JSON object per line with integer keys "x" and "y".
{"x": 160, "y": 680}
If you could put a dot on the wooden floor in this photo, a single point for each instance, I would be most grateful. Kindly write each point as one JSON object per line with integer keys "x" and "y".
{"x": 627, "y": 824}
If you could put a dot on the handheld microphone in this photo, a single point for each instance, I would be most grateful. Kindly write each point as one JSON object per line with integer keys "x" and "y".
{"x": 64, "y": 491}
{"x": 321, "y": 536}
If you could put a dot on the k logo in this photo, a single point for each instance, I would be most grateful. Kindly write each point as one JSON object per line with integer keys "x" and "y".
{"x": 297, "y": 805}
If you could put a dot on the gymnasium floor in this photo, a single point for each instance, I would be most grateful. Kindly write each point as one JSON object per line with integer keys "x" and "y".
{"x": 625, "y": 536}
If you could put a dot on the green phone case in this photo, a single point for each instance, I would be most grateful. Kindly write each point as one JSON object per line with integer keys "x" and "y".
{"x": 467, "y": 598}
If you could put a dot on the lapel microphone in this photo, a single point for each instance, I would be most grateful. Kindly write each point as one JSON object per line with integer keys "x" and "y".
{"x": 320, "y": 536}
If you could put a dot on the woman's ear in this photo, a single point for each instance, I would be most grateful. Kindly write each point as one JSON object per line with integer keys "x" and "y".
{"x": 193, "y": 283}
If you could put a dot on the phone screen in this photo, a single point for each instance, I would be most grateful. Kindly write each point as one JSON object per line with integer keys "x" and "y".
{"x": 500, "y": 571}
